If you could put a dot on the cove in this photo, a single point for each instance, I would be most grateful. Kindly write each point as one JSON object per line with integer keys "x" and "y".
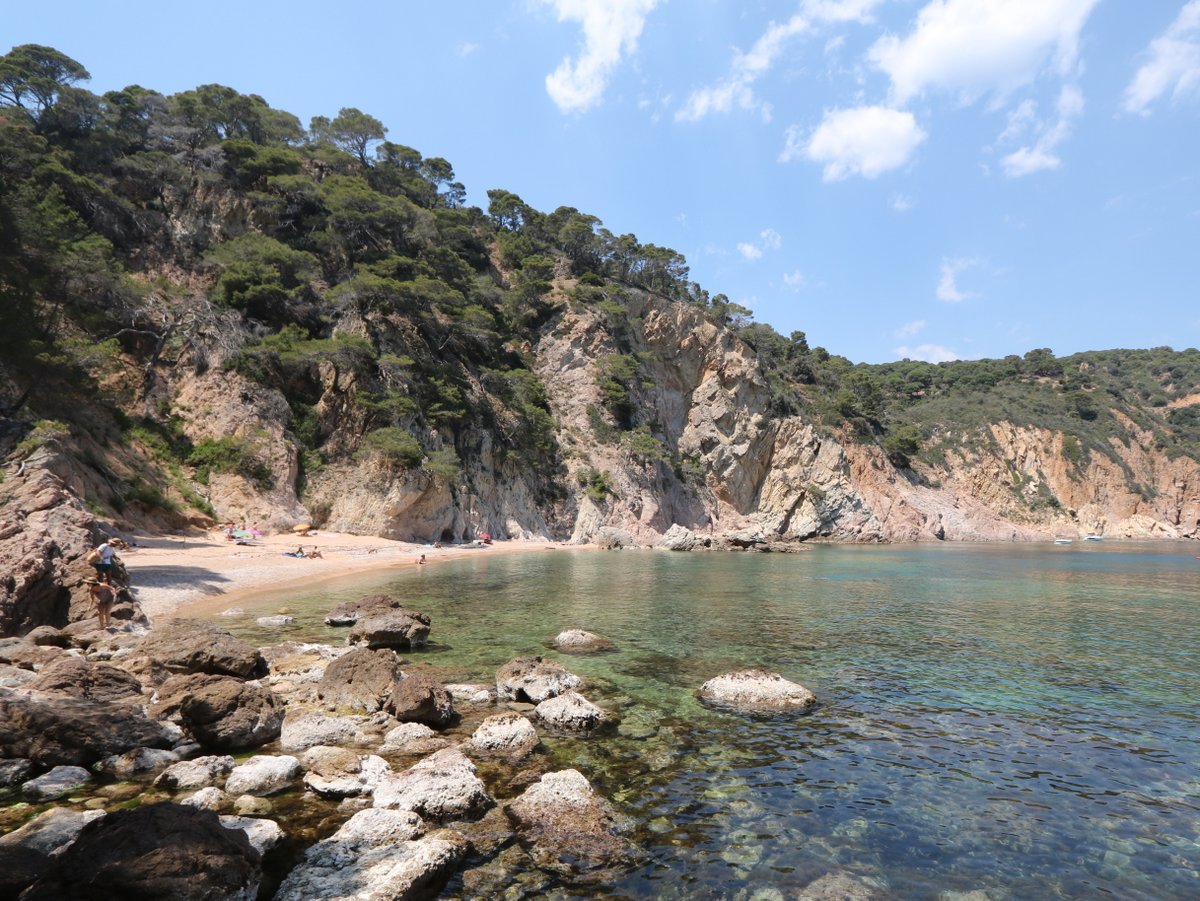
{"x": 1016, "y": 719}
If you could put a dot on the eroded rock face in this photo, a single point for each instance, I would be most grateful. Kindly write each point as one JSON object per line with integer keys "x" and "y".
{"x": 416, "y": 698}
{"x": 220, "y": 712}
{"x": 505, "y": 734}
{"x": 757, "y": 689}
{"x": 359, "y": 680}
{"x": 195, "y": 646}
{"x": 51, "y": 730}
{"x": 570, "y": 830}
{"x": 571, "y": 711}
{"x": 391, "y": 628}
{"x": 441, "y": 787}
{"x": 381, "y": 854}
{"x": 157, "y": 851}
{"x": 533, "y": 679}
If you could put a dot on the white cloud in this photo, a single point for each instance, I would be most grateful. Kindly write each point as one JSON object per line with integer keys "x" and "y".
{"x": 737, "y": 88}
{"x": 978, "y": 47}
{"x": 1173, "y": 65}
{"x": 909, "y": 329}
{"x": 610, "y": 28}
{"x": 866, "y": 140}
{"x": 771, "y": 239}
{"x": 768, "y": 239}
{"x": 947, "y": 288}
{"x": 466, "y": 48}
{"x": 749, "y": 252}
{"x": 1041, "y": 155}
{"x": 901, "y": 203}
{"x": 929, "y": 353}
{"x": 795, "y": 280}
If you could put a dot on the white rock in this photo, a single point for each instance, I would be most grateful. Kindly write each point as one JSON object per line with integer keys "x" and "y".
{"x": 272, "y": 622}
{"x": 580, "y": 640}
{"x": 197, "y": 773}
{"x": 471, "y": 693}
{"x": 210, "y": 798}
{"x": 441, "y": 787}
{"x": 48, "y": 832}
{"x": 339, "y": 773}
{"x": 757, "y": 689}
{"x": 413, "y": 738}
{"x": 137, "y": 762}
{"x": 309, "y": 728}
{"x": 263, "y": 834}
{"x": 262, "y": 775}
{"x": 509, "y": 734}
{"x": 571, "y": 711}
{"x": 62, "y": 780}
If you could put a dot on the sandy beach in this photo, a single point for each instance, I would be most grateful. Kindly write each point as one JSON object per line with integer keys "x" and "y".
{"x": 172, "y": 572}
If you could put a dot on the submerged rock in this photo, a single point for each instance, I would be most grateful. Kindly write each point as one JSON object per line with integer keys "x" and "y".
{"x": 441, "y": 787}
{"x": 570, "y": 830}
{"x": 571, "y": 711}
{"x": 376, "y": 854}
{"x": 757, "y": 689}
{"x": 839, "y": 887}
{"x": 533, "y": 679}
{"x": 580, "y": 641}
{"x": 157, "y": 851}
{"x": 275, "y": 622}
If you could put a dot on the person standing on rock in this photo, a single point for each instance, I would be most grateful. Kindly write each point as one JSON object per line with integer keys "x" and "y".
{"x": 103, "y": 561}
{"x": 103, "y": 597}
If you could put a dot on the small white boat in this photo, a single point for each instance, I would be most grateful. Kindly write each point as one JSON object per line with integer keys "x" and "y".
{"x": 1062, "y": 540}
{"x": 1093, "y": 538}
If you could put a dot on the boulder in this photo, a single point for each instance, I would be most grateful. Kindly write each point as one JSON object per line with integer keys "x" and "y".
{"x": 19, "y": 868}
{"x": 62, "y": 780}
{"x": 681, "y": 538}
{"x": 195, "y": 646}
{"x": 376, "y": 854}
{"x": 308, "y": 728}
{"x": 839, "y": 887}
{"x": 48, "y": 635}
{"x": 339, "y": 773}
{"x": 24, "y": 654}
{"x": 198, "y": 773}
{"x": 275, "y": 622}
{"x": 76, "y": 677}
{"x": 210, "y": 798}
{"x": 756, "y": 689}
{"x": 350, "y": 612}
{"x": 360, "y": 679}
{"x": 222, "y": 713}
{"x": 262, "y": 775}
{"x": 140, "y": 762}
{"x": 611, "y": 538}
{"x": 441, "y": 787}
{"x": 51, "y": 831}
{"x": 505, "y": 734}
{"x": 416, "y": 698}
{"x": 570, "y": 711}
{"x": 391, "y": 628}
{"x": 533, "y": 680}
{"x": 14, "y": 772}
{"x": 570, "y": 830}
{"x": 156, "y": 851}
{"x": 52, "y": 730}
{"x": 15, "y": 676}
{"x": 413, "y": 738}
{"x": 250, "y": 806}
{"x": 580, "y": 641}
{"x": 471, "y": 693}
{"x": 262, "y": 834}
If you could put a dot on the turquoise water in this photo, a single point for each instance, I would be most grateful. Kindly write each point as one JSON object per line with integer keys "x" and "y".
{"x": 1018, "y": 719}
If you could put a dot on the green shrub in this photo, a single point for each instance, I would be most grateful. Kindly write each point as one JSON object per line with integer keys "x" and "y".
{"x": 229, "y": 455}
{"x": 396, "y": 447}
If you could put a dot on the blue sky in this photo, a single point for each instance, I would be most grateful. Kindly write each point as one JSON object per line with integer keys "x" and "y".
{"x": 934, "y": 179}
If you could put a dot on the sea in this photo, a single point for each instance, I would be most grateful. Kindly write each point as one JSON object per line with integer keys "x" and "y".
{"x": 1016, "y": 720}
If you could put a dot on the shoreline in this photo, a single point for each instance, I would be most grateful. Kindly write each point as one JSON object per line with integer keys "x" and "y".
{"x": 174, "y": 574}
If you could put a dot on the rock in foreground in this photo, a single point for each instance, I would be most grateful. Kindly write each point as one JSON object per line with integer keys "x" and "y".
{"x": 756, "y": 689}
{"x": 533, "y": 679}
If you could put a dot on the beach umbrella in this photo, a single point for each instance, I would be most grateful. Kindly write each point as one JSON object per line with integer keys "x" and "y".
{"x": 256, "y": 533}
{"x": 240, "y": 533}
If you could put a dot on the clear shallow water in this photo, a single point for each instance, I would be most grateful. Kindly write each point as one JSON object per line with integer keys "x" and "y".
{"x": 1019, "y": 719}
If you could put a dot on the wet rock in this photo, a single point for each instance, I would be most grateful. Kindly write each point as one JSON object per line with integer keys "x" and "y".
{"x": 263, "y": 775}
{"x": 757, "y": 690}
{"x": 14, "y": 772}
{"x": 416, "y": 698}
{"x": 304, "y": 729}
{"x": 222, "y": 713}
{"x": 571, "y": 711}
{"x": 51, "y": 831}
{"x": 198, "y": 773}
{"x": 839, "y": 887}
{"x": 413, "y": 738}
{"x": 195, "y": 646}
{"x": 263, "y": 834}
{"x": 570, "y": 830}
{"x": 275, "y": 622}
{"x": 62, "y": 780}
{"x": 155, "y": 851}
{"x": 140, "y": 762}
{"x": 505, "y": 734}
{"x": 209, "y": 798}
{"x": 441, "y": 787}
{"x": 360, "y": 679}
{"x": 339, "y": 773}
{"x": 580, "y": 641}
{"x": 51, "y": 730}
{"x": 533, "y": 679}
{"x": 471, "y": 693}
{"x": 251, "y": 806}
{"x": 381, "y": 854}
{"x": 392, "y": 628}
{"x": 76, "y": 677}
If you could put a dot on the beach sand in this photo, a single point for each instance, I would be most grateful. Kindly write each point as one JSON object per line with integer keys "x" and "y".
{"x": 171, "y": 573}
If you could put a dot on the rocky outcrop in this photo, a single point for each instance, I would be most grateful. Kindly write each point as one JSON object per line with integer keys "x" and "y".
{"x": 756, "y": 689}
{"x": 391, "y": 628}
{"x": 196, "y": 646}
{"x": 416, "y": 698}
{"x": 533, "y": 680}
{"x": 76, "y": 677}
{"x": 220, "y": 712}
{"x": 156, "y": 851}
{"x": 570, "y": 830}
{"x": 359, "y": 680}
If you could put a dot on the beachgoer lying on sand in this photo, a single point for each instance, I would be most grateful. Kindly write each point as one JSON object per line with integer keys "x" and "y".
{"x": 315, "y": 554}
{"x": 103, "y": 596}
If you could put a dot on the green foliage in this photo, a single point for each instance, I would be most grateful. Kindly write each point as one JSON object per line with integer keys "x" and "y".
{"x": 901, "y": 443}
{"x": 615, "y": 377}
{"x": 644, "y": 447}
{"x": 229, "y": 455}
{"x": 443, "y": 464}
{"x": 352, "y": 130}
{"x": 596, "y": 484}
{"x": 396, "y": 448}
{"x": 42, "y": 433}
{"x": 261, "y": 275}
{"x": 1071, "y": 450}
{"x": 33, "y": 78}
